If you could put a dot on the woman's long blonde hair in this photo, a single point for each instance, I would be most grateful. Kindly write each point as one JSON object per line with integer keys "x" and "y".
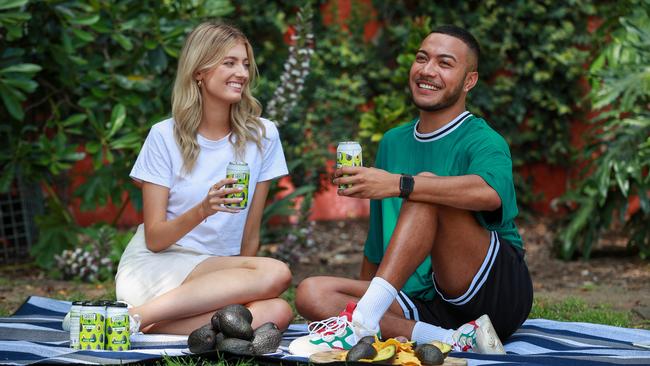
{"x": 205, "y": 48}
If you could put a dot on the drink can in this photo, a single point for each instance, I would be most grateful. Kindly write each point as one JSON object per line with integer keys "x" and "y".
{"x": 92, "y": 321}
{"x": 348, "y": 153}
{"x": 241, "y": 172}
{"x": 117, "y": 327}
{"x": 75, "y": 312}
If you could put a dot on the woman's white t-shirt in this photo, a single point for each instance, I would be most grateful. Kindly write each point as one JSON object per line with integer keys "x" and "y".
{"x": 160, "y": 162}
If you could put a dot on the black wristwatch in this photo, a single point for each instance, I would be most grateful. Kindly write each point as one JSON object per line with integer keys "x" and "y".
{"x": 406, "y": 183}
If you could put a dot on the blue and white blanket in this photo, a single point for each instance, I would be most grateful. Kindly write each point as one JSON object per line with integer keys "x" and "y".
{"x": 34, "y": 335}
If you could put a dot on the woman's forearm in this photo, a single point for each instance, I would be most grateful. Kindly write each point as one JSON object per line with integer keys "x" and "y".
{"x": 160, "y": 235}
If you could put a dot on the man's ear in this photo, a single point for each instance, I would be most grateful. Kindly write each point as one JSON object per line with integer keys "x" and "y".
{"x": 470, "y": 81}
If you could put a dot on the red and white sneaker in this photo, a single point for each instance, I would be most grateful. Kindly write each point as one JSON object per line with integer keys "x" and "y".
{"x": 337, "y": 332}
{"x": 478, "y": 336}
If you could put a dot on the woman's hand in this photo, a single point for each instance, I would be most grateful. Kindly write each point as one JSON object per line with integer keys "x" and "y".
{"x": 216, "y": 199}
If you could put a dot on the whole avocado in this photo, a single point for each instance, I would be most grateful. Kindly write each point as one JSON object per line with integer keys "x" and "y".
{"x": 266, "y": 339}
{"x": 265, "y": 326}
{"x": 202, "y": 339}
{"x": 429, "y": 354}
{"x": 241, "y": 310}
{"x": 360, "y": 351}
{"x": 234, "y": 345}
{"x": 234, "y": 323}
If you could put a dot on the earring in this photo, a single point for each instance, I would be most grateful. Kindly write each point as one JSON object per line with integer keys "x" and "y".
{"x": 199, "y": 83}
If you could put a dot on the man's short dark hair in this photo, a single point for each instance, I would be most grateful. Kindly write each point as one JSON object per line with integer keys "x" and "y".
{"x": 462, "y": 34}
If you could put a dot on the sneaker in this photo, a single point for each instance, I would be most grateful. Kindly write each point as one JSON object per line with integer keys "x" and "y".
{"x": 134, "y": 324}
{"x": 337, "y": 332}
{"x": 66, "y": 322}
{"x": 478, "y": 336}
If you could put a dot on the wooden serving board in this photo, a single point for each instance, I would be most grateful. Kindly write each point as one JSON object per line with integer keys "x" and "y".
{"x": 334, "y": 357}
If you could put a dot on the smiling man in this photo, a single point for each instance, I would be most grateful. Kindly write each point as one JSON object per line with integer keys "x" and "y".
{"x": 443, "y": 258}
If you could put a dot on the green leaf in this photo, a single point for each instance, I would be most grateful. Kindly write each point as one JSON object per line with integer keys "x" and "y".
{"x": 8, "y": 4}
{"x": 83, "y": 35}
{"x": 74, "y": 119}
{"x": 21, "y": 68}
{"x": 118, "y": 116}
{"x": 85, "y": 20}
{"x": 12, "y": 104}
{"x": 123, "y": 41}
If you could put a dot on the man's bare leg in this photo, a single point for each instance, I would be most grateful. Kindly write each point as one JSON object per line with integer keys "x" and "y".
{"x": 323, "y": 297}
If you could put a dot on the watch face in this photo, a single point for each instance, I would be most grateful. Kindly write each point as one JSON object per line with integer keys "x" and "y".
{"x": 406, "y": 183}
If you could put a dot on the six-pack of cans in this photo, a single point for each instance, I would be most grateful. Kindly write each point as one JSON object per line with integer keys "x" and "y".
{"x": 99, "y": 325}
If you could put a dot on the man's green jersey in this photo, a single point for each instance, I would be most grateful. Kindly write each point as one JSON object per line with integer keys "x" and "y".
{"x": 467, "y": 145}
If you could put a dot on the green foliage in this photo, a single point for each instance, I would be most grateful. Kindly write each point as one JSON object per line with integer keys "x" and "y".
{"x": 618, "y": 155}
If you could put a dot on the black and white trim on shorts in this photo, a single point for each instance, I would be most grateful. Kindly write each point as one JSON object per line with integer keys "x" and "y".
{"x": 408, "y": 307}
{"x": 442, "y": 131}
{"x": 480, "y": 277}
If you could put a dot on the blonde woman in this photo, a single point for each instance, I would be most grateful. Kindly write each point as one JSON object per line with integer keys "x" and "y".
{"x": 193, "y": 255}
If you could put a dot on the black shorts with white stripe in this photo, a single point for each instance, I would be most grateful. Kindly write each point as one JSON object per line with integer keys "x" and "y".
{"x": 502, "y": 288}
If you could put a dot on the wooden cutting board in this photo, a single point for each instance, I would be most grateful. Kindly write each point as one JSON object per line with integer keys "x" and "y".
{"x": 335, "y": 357}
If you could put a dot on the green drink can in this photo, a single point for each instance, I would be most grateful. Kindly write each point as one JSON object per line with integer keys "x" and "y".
{"x": 92, "y": 321}
{"x": 117, "y": 327}
{"x": 241, "y": 172}
{"x": 348, "y": 153}
{"x": 75, "y": 313}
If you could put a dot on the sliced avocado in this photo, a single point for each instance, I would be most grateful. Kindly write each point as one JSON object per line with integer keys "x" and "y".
{"x": 361, "y": 351}
{"x": 429, "y": 354}
{"x": 235, "y": 345}
{"x": 234, "y": 325}
{"x": 266, "y": 339}
{"x": 386, "y": 354}
{"x": 202, "y": 339}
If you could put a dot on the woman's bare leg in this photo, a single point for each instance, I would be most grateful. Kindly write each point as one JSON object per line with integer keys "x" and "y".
{"x": 275, "y": 310}
{"x": 213, "y": 284}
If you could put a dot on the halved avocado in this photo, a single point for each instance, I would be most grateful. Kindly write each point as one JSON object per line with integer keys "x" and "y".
{"x": 386, "y": 354}
{"x": 443, "y": 347}
{"x": 361, "y": 351}
{"x": 367, "y": 339}
{"x": 429, "y": 354}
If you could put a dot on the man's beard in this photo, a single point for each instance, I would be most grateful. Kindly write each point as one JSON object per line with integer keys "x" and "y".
{"x": 447, "y": 100}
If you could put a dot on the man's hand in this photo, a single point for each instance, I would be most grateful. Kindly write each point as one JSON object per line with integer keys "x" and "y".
{"x": 367, "y": 182}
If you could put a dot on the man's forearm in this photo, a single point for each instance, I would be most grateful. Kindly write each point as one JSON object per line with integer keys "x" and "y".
{"x": 467, "y": 192}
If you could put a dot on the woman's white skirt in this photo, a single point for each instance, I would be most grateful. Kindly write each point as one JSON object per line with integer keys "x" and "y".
{"x": 143, "y": 274}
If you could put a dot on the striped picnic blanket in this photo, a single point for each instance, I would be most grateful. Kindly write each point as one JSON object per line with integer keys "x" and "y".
{"x": 34, "y": 335}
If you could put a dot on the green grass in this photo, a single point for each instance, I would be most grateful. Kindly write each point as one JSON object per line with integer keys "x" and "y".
{"x": 576, "y": 310}
{"x": 191, "y": 361}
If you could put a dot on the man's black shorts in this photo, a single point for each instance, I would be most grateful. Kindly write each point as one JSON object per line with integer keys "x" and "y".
{"x": 502, "y": 288}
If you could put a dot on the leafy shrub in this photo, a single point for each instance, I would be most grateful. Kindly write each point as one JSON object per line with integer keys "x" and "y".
{"x": 618, "y": 155}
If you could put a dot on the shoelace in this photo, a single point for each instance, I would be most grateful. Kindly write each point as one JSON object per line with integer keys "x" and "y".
{"x": 334, "y": 326}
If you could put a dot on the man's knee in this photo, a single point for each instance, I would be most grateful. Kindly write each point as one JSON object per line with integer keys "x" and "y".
{"x": 307, "y": 293}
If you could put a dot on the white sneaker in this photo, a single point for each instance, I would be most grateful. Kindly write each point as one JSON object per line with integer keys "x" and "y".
{"x": 478, "y": 336}
{"x": 337, "y": 332}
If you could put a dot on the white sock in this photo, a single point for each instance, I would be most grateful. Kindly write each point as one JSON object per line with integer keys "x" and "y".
{"x": 373, "y": 304}
{"x": 425, "y": 333}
